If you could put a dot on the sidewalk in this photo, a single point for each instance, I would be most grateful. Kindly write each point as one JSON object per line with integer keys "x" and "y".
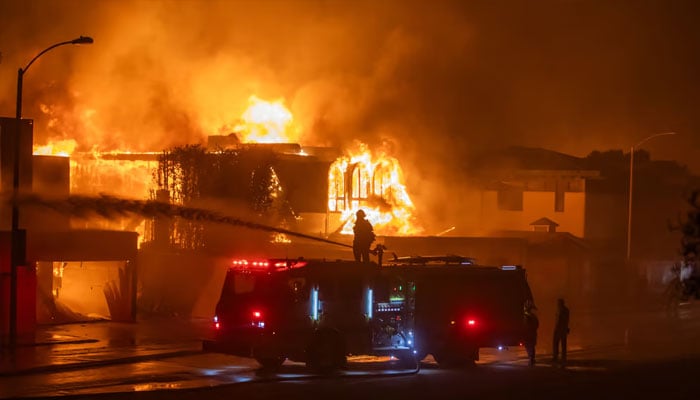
{"x": 92, "y": 344}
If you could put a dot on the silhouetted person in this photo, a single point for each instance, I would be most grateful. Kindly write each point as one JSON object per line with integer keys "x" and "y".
{"x": 532, "y": 323}
{"x": 364, "y": 236}
{"x": 674, "y": 292}
{"x": 561, "y": 330}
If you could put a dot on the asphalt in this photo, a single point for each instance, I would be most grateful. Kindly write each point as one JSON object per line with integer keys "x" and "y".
{"x": 101, "y": 343}
{"x": 85, "y": 345}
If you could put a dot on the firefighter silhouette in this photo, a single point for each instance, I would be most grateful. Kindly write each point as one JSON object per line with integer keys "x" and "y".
{"x": 561, "y": 331}
{"x": 364, "y": 236}
{"x": 674, "y": 292}
{"x": 532, "y": 323}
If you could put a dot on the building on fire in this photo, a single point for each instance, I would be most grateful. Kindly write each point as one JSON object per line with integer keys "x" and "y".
{"x": 562, "y": 217}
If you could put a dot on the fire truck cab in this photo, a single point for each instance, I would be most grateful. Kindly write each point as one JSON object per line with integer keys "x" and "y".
{"x": 319, "y": 311}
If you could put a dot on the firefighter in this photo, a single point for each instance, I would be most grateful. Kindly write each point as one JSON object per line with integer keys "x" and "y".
{"x": 691, "y": 276}
{"x": 532, "y": 323}
{"x": 674, "y": 292}
{"x": 364, "y": 236}
{"x": 561, "y": 331}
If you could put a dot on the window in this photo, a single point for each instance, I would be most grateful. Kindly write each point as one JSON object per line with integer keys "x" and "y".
{"x": 336, "y": 189}
{"x": 360, "y": 185}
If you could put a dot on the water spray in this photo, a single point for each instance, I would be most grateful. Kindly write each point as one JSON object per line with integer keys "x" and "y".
{"x": 110, "y": 207}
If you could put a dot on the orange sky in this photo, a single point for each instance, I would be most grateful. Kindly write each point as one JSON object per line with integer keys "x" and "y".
{"x": 436, "y": 79}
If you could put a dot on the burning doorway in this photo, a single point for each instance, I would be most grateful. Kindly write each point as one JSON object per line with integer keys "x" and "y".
{"x": 94, "y": 277}
{"x": 70, "y": 291}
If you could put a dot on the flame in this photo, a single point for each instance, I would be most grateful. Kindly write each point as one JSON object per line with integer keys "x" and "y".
{"x": 94, "y": 174}
{"x": 373, "y": 183}
{"x": 63, "y": 148}
{"x": 267, "y": 122}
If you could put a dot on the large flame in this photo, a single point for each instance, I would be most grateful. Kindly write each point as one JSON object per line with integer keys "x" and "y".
{"x": 373, "y": 183}
{"x": 63, "y": 148}
{"x": 267, "y": 122}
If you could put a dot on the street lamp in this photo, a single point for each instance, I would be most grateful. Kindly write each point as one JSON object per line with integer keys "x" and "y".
{"x": 15, "y": 253}
{"x": 629, "y": 206}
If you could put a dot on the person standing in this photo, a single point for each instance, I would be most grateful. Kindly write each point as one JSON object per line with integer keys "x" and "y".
{"x": 532, "y": 323}
{"x": 364, "y": 236}
{"x": 561, "y": 331}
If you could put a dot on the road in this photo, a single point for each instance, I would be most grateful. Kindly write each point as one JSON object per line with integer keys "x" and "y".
{"x": 587, "y": 376}
{"x": 653, "y": 357}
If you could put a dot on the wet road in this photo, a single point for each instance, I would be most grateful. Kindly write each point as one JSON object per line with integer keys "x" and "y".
{"x": 643, "y": 355}
{"x": 587, "y": 376}
{"x": 214, "y": 370}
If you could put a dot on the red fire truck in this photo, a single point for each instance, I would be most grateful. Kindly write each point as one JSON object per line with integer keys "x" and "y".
{"x": 319, "y": 311}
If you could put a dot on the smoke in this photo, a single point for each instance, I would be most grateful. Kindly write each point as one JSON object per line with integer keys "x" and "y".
{"x": 167, "y": 73}
{"x": 439, "y": 80}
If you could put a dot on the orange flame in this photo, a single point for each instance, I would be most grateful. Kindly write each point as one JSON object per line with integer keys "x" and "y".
{"x": 63, "y": 148}
{"x": 267, "y": 122}
{"x": 361, "y": 180}
{"x": 373, "y": 183}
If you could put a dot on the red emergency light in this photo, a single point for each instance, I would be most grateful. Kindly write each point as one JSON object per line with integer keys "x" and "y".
{"x": 257, "y": 319}
{"x": 266, "y": 264}
{"x": 250, "y": 264}
{"x": 471, "y": 322}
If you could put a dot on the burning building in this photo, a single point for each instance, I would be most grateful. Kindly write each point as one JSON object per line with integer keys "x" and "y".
{"x": 259, "y": 173}
{"x": 253, "y": 172}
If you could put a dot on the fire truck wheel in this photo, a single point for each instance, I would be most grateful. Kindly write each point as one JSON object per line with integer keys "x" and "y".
{"x": 326, "y": 352}
{"x": 407, "y": 359}
{"x": 270, "y": 363}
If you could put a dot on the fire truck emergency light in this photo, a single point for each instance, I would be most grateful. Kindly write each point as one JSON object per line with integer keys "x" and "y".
{"x": 257, "y": 319}
{"x": 369, "y": 303}
{"x": 314, "y": 304}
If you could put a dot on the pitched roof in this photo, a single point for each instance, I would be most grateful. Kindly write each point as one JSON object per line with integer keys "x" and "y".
{"x": 544, "y": 221}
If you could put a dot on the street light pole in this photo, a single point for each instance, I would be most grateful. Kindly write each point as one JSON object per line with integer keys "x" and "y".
{"x": 629, "y": 205}
{"x": 16, "y": 256}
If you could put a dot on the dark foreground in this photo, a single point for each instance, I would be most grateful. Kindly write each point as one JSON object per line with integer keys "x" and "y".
{"x": 630, "y": 355}
{"x": 583, "y": 379}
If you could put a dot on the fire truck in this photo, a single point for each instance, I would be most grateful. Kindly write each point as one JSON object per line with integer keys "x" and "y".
{"x": 319, "y": 311}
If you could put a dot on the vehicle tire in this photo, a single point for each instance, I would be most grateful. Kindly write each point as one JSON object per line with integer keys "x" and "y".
{"x": 271, "y": 363}
{"x": 326, "y": 353}
{"x": 407, "y": 360}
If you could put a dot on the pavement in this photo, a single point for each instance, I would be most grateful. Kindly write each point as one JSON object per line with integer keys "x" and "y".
{"x": 103, "y": 343}
{"x": 92, "y": 344}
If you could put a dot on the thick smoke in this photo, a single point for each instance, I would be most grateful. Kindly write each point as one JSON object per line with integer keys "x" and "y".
{"x": 439, "y": 80}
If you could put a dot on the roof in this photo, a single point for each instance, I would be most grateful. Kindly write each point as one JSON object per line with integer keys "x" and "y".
{"x": 544, "y": 221}
{"x": 552, "y": 240}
